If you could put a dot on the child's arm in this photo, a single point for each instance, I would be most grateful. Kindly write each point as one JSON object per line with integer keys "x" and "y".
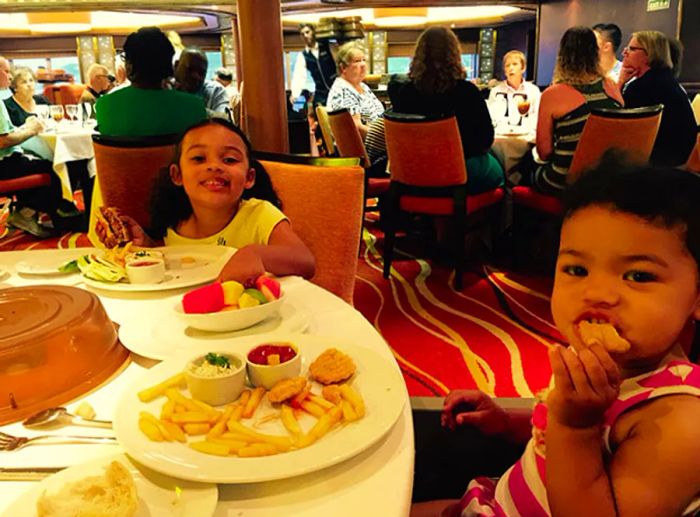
{"x": 284, "y": 254}
{"x": 585, "y": 385}
{"x": 475, "y": 408}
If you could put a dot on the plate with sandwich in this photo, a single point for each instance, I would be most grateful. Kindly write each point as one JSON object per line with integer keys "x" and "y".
{"x": 115, "y": 486}
{"x": 129, "y": 268}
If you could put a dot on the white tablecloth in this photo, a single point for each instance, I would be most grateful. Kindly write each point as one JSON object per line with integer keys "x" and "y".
{"x": 70, "y": 144}
{"x": 377, "y": 482}
{"x": 509, "y": 150}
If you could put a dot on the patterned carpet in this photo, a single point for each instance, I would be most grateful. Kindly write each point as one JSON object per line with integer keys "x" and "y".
{"x": 493, "y": 335}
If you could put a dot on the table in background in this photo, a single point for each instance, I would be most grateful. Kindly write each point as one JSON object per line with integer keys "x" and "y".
{"x": 510, "y": 149}
{"x": 377, "y": 481}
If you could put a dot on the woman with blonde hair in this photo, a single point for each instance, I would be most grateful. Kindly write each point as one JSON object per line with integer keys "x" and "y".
{"x": 647, "y": 59}
{"x": 350, "y": 92}
{"x": 22, "y": 104}
{"x": 579, "y": 85}
{"x": 436, "y": 84}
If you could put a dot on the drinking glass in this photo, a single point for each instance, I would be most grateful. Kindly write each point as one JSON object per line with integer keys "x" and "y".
{"x": 56, "y": 113}
{"x": 72, "y": 112}
{"x": 87, "y": 110}
{"x": 42, "y": 111}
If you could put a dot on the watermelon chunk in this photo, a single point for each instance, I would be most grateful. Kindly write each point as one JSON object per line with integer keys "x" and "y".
{"x": 209, "y": 298}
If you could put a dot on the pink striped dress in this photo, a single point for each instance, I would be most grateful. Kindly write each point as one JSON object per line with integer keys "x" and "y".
{"x": 521, "y": 492}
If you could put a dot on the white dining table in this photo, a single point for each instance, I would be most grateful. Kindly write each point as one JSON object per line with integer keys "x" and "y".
{"x": 69, "y": 142}
{"x": 377, "y": 481}
{"x": 510, "y": 148}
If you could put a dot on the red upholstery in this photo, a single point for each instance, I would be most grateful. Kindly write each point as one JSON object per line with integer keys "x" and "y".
{"x": 31, "y": 181}
{"x": 526, "y": 196}
{"x": 429, "y": 176}
{"x": 70, "y": 93}
{"x": 377, "y": 186}
{"x": 445, "y": 205}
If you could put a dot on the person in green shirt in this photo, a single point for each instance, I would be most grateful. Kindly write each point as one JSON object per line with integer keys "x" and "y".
{"x": 147, "y": 108}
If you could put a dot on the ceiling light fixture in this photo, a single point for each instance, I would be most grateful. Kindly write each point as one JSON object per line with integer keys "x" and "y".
{"x": 400, "y": 16}
{"x": 59, "y": 22}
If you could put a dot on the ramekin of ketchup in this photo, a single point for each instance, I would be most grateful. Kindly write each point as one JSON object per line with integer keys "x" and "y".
{"x": 260, "y": 354}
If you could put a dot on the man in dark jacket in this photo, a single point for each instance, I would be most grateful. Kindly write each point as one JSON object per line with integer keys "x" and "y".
{"x": 316, "y": 59}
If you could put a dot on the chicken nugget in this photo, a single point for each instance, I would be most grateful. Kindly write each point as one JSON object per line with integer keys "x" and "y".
{"x": 286, "y": 389}
{"x": 332, "y": 366}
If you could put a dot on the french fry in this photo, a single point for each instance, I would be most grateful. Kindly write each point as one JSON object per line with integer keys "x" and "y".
{"x": 175, "y": 431}
{"x": 324, "y": 424}
{"x": 150, "y": 429}
{"x": 284, "y": 443}
{"x": 167, "y": 410}
{"x": 289, "y": 420}
{"x": 218, "y": 449}
{"x": 145, "y": 415}
{"x": 313, "y": 408}
{"x": 253, "y": 402}
{"x": 243, "y": 399}
{"x": 354, "y": 398}
{"x": 238, "y": 437}
{"x": 220, "y": 425}
{"x": 258, "y": 449}
{"x": 240, "y": 405}
{"x": 179, "y": 398}
{"x": 301, "y": 396}
{"x": 159, "y": 389}
{"x": 203, "y": 406}
{"x": 179, "y": 408}
{"x": 321, "y": 402}
{"x": 233, "y": 445}
{"x": 190, "y": 417}
{"x": 349, "y": 413}
{"x": 237, "y": 413}
{"x": 195, "y": 429}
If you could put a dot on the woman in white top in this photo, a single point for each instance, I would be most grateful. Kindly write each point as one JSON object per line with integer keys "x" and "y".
{"x": 509, "y": 96}
{"x": 348, "y": 90}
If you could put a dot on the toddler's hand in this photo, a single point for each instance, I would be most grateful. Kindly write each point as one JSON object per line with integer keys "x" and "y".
{"x": 585, "y": 385}
{"x": 472, "y": 407}
{"x": 244, "y": 267}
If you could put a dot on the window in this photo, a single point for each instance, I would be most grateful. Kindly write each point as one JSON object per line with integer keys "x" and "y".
{"x": 398, "y": 64}
{"x": 215, "y": 63}
{"x": 470, "y": 64}
{"x": 67, "y": 63}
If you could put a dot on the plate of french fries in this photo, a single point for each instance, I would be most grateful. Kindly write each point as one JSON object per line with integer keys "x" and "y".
{"x": 185, "y": 266}
{"x": 252, "y": 439}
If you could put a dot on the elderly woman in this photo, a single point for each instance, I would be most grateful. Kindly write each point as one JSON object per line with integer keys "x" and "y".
{"x": 647, "y": 59}
{"x": 22, "y": 104}
{"x": 437, "y": 85}
{"x": 508, "y": 97}
{"x": 579, "y": 85}
{"x": 348, "y": 90}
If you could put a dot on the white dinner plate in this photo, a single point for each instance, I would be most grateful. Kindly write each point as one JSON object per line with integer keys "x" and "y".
{"x": 377, "y": 380}
{"x": 162, "y": 336}
{"x": 185, "y": 266}
{"x": 46, "y": 267}
{"x": 156, "y": 492}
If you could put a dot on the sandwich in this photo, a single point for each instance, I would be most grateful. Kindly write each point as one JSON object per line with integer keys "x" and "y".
{"x": 116, "y": 231}
{"x": 112, "y": 494}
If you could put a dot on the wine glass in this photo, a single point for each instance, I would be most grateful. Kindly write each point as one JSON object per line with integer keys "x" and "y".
{"x": 523, "y": 108}
{"x": 56, "y": 113}
{"x": 42, "y": 111}
{"x": 72, "y": 112}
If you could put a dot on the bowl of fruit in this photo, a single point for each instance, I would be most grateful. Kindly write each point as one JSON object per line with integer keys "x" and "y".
{"x": 228, "y": 306}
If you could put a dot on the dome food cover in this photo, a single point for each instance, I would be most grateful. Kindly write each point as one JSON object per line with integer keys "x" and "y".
{"x": 56, "y": 343}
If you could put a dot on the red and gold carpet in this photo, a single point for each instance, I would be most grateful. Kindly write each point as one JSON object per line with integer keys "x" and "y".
{"x": 492, "y": 336}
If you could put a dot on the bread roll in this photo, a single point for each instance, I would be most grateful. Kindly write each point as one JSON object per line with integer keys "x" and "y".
{"x": 605, "y": 334}
{"x": 112, "y": 494}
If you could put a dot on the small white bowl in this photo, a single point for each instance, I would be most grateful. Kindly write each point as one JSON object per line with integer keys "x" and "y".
{"x": 268, "y": 375}
{"x": 148, "y": 270}
{"x": 228, "y": 320}
{"x": 144, "y": 254}
{"x": 220, "y": 389}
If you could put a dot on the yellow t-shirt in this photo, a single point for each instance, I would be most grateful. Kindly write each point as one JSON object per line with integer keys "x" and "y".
{"x": 252, "y": 224}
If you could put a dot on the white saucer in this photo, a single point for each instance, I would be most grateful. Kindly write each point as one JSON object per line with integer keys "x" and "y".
{"x": 32, "y": 269}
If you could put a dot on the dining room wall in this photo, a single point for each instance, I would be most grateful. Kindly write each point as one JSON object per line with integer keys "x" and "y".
{"x": 631, "y": 15}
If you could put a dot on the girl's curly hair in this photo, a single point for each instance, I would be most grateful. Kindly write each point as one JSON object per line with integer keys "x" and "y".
{"x": 437, "y": 61}
{"x": 577, "y": 60}
{"x": 169, "y": 202}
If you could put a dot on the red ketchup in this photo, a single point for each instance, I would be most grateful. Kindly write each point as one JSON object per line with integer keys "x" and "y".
{"x": 258, "y": 355}
{"x": 143, "y": 263}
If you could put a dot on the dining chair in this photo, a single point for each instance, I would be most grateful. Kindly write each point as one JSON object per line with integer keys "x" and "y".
{"x": 349, "y": 143}
{"x": 31, "y": 190}
{"x": 429, "y": 176}
{"x": 70, "y": 93}
{"x": 326, "y": 131}
{"x": 324, "y": 205}
{"x": 126, "y": 170}
{"x": 631, "y": 131}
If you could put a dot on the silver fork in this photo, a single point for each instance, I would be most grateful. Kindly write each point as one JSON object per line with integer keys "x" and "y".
{"x": 13, "y": 443}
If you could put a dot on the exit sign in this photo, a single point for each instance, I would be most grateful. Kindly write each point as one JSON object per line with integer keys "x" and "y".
{"x": 658, "y": 5}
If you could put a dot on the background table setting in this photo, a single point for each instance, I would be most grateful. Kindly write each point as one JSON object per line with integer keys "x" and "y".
{"x": 364, "y": 466}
